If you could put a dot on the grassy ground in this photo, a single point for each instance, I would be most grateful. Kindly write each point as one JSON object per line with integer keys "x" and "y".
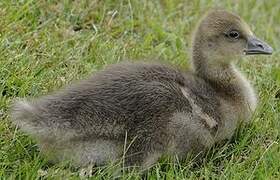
{"x": 45, "y": 44}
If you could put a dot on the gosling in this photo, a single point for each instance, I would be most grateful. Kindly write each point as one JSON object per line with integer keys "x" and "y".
{"x": 139, "y": 112}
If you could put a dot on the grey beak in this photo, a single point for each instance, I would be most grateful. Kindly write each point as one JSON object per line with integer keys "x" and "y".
{"x": 256, "y": 46}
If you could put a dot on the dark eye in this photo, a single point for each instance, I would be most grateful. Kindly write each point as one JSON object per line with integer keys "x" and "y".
{"x": 233, "y": 34}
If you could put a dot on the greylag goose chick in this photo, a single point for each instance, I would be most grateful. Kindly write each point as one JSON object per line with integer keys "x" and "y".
{"x": 141, "y": 111}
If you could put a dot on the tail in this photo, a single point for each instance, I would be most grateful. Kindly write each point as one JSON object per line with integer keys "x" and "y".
{"x": 25, "y": 116}
{"x": 30, "y": 118}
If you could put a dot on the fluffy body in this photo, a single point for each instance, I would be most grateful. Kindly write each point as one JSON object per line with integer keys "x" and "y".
{"x": 142, "y": 111}
{"x": 134, "y": 109}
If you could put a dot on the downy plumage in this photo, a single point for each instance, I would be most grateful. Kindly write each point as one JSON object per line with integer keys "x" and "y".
{"x": 142, "y": 111}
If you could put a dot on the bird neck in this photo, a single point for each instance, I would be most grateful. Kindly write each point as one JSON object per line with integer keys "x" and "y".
{"x": 225, "y": 78}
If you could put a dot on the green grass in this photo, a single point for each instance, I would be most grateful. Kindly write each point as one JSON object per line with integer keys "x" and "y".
{"x": 46, "y": 44}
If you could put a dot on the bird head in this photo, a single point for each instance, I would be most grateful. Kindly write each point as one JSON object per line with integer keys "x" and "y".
{"x": 222, "y": 36}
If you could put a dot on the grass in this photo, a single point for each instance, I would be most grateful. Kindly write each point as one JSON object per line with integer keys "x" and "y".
{"x": 46, "y": 44}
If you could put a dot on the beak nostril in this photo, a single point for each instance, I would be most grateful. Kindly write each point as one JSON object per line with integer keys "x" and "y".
{"x": 260, "y": 45}
{"x": 256, "y": 46}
